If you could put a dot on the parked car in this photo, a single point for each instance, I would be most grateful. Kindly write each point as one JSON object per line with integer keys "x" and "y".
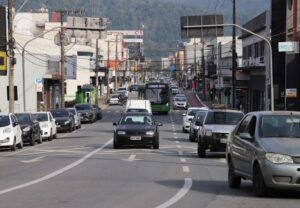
{"x": 114, "y": 99}
{"x": 86, "y": 112}
{"x": 216, "y": 127}
{"x": 265, "y": 148}
{"x": 64, "y": 120}
{"x": 138, "y": 106}
{"x": 31, "y": 130}
{"x": 47, "y": 124}
{"x": 10, "y": 132}
{"x": 77, "y": 118}
{"x": 188, "y": 117}
{"x": 98, "y": 111}
{"x": 136, "y": 129}
{"x": 180, "y": 102}
{"x": 196, "y": 124}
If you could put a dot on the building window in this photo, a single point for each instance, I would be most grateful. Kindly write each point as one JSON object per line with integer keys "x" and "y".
{"x": 256, "y": 50}
{"x": 262, "y": 48}
{"x": 245, "y": 53}
{"x": 249, "y": 51}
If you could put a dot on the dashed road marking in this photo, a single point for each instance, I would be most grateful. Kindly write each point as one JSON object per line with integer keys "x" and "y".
{"x": 178, "y": 146}
{"x": 185, "y": 169}
{"x": 183, "y": 160}
{"x": 177, "y": 142}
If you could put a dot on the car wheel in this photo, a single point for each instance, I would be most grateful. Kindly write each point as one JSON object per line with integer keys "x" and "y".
{"x": 32, "y": 141}
{"x": 55, "y": 136}
{"x": 20, "y": 145}
{"x": 156, "y": 144}
{"x": 183, "y": 130}
{"x": 201, "y": 151}
{"x": 116, "y": 145}
{"x": 191, "y": 138}
{"x": 14, "y": 146}
{"x": 233, "y": 180}
{"x": 259, "y": 187}
{"x": 40, "y": 139}
{"x": 50, "y": 138}
{"x": 70, "y": 128}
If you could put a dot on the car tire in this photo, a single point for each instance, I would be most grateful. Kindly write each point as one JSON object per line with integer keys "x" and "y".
{"x": 70, "y": 129}
{"x": 183, "y": 130}
{"x": 32, "y": 141}
{"x": 201, "y": 151}
{"x": 13, "y": 147}
{"x": 55, "y": 136}
{"x": 191, "y": 139}
{"x": 156, "y": 144}
{"x": 258, "y": 183}
{"x": 50, "y": 138}
{"x": 234, "y": 181}
{"x": 40, "y": 139}
{"x": 116, "y": 145}
{"x": 20, "y": 145}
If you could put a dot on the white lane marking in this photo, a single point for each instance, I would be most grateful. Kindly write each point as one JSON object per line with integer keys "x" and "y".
{"x": 188, "y": 182}
{"x": 33, "y": 160}
{"x": 178, "y": 146}
{"x": 183, "y": 160}
{"x": 185, "y": 169}
{"x": 222, "y": 160}
{"x": 30, "y": 148}
{"x": 177, "y": 142}
{"x": 175, "y": 137}
{"x": 131, "y": 158}
{"x": 180, "y": 152}
{"x": 57, "y": 172}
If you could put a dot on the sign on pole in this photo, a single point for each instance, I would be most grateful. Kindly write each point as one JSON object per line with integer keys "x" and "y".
{"x": 291, "y": 93}
{"x": 39, "y": 85}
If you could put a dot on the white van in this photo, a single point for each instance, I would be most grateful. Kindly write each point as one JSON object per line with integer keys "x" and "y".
{"x": 138, "y": 106}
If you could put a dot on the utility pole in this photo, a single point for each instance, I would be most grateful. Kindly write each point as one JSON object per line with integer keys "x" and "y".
{"x": 195, "y": 57}
{"x": 97, "y": 71}
{"x": 11, "y": 57}
{"x": 116, "y": 64}
{"x": 233, "y": 55}
{"x": 108, "y": 66}
{"x": 203, "y": 68}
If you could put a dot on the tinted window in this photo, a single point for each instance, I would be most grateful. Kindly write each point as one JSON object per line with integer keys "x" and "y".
{"x": 41, "y": 117}
{"x": 180, "y": 99}
{"x": 60, "y": 113}
{"x": 192, "y": 112}
{"x": 136, "y": 120}
{"x": 23, "y": 118}
{"x": 226, "y": 118}
{"x": 279, "y": 126}
{"x": 83, "y": 107}
{"x": 4, "y": 121}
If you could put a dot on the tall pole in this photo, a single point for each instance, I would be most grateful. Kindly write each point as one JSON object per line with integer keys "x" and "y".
{"x": 116, "y": 64}
{"x": 62, "y": 60}
{"x": 11, "y": 57}
{"x": 233, "y": 54}
{"x": 195, "y": 57}
{"x": 203, "y": 68}
{"x": 108, "y": 66}
{"x": 97, "y": 71}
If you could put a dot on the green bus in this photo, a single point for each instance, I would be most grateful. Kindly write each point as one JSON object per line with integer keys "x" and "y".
{"x": 159, "y": 96}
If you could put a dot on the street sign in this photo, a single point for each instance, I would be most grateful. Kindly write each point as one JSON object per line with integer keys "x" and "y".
{"x": 39, "y": 85}
{"x": 292, "y": 47}
{"x": 291, "y": 93}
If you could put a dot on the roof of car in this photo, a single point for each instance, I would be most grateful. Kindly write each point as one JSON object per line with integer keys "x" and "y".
{"x": 137, "y": 113}
{"x": 275, "y": 113}
{"x": 225, "y": 110}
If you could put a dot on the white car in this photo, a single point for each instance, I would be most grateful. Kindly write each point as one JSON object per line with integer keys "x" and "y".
{"x": 47, "y": 124}
{"x": 180, "y": 102}
{"x": 10, "y": 132}
{"x": 76, "y": 117}
{"x": 188, "y": 117}
{"x": 114, "y": 100}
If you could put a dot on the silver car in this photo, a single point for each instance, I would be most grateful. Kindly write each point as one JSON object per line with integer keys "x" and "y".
{"x": 265, "y": 148}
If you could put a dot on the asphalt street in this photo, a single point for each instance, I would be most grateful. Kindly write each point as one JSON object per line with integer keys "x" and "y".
{"x": 81, "y": 169}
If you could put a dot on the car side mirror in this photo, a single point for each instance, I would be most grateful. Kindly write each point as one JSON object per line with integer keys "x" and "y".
{"x": 114, "y": 124}
{"x": 159, "y": 124}
{"x": 246, "y": 136}
{"x": 15, "y": 124}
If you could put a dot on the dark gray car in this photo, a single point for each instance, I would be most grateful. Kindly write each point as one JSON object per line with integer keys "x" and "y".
{"x": 86, "y": 112}
{"x": 265, "y": 148}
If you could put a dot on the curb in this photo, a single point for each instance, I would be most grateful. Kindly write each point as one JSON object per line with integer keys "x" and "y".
{"x": 200, "y": 100}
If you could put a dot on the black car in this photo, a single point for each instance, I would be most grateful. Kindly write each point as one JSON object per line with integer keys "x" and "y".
{"x": 196, "y": 124}
{"x": 64, "y": 120}
{"x": 136, "y": 129}
{"x": 86, "y": 113}
{"x": 31, "y": 131}
{"x": 98, "y": 111}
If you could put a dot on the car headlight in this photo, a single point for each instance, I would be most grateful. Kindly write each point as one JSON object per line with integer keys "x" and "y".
{"x": 279, "y": 158}
{"x": 67, "y": 122}
{"x": 27, "y": 129}
{"x": 45, "y": 125}
{"x": 121, "y": 132}
{"x": 208, "y": 132}
{"x": 150, "y": 133}
{"x": 7, "y": 131}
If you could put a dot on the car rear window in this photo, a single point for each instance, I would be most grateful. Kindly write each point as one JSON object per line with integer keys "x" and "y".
{"x": 223, "y": 118}
{"x": 136, "y": 120}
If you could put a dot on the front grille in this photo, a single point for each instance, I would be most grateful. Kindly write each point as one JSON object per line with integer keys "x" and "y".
{"x": 135, "y": 133}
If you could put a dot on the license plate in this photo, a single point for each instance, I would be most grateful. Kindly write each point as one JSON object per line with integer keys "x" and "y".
{"x": 135, "y": 138}
{"x": 57, "y": 126}
{"x": 223, "y": 140}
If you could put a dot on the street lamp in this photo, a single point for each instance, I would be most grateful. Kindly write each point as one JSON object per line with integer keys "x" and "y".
{"x": 259, "y": 36}
{"x": 23, "y": 62}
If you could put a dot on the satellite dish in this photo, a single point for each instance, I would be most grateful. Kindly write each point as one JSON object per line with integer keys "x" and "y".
{"x": 66, "y": 39}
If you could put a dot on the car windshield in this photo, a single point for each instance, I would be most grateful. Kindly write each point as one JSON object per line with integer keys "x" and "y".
{"x": 200, "y": 116}
{"x": 223, "y": 118}
{"x": 280, "y": 126}
{"x": 60, "y": 113}
{"x": 122, "y": 89}
{"x": 4, "y": 121}
{"x": 136, "y": 120}
{"x": 83, "y": 107}
{"x": 40, "y": 117}
{"x": 180, "y": 99}
{"x": 23, "y": 118}
{"x": 192, "y": 112}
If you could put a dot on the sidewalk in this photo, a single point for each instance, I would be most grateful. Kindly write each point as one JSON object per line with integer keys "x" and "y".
{"x": 193, "y": 99}
{"x": 102, "y": 103}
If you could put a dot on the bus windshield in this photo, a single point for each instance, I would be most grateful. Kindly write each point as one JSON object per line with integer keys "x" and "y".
{"x": 157, "y": 93}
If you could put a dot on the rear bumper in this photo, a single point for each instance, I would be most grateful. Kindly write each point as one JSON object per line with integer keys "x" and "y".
{"x": 213, "y": 143}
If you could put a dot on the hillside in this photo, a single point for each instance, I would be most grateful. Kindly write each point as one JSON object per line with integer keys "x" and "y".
{"x": 160, "y": 18}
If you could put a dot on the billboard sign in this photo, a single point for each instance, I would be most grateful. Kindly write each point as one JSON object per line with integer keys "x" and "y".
{"x": 198, "y": 32}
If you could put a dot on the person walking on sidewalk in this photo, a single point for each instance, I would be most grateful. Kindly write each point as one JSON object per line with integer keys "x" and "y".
{"x": 193, "y": 87}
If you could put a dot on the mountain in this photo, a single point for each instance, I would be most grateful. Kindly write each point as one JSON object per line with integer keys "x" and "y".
{"x": 161, "y": 18}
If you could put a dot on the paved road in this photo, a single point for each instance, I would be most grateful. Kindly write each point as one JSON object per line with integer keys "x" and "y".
{"x": 81, "y": 169}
